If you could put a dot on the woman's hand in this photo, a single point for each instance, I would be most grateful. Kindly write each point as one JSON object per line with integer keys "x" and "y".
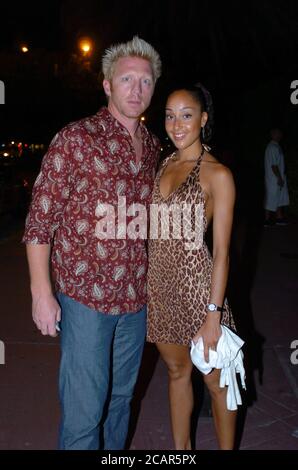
{"x": 210, "y": 332}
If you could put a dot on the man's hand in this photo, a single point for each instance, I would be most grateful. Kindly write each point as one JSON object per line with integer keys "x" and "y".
{"x": 45, "y": 312}
{"x": 280, "y": 182}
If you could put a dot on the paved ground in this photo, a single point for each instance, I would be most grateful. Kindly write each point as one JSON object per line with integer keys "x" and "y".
{"x": 263, "y": 293}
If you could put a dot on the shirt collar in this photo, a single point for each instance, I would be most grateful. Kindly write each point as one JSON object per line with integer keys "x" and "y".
{"x": 110, "y": 124}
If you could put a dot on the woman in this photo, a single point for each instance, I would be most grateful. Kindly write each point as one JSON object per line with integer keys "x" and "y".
{"x": 186, "y": 286}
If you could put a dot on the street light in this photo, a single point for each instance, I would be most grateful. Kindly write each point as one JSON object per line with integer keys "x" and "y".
{"x": 24, "y": 48}
{"x": 85, "y": 46}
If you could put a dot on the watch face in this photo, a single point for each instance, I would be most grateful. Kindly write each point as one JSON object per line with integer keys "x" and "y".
{"x": 212, "y": 307}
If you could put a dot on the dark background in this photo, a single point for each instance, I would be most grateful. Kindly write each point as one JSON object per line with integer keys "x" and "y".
{"x": 245, "y": 53}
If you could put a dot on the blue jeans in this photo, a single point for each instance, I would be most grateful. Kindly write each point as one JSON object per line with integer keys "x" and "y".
{"x": 100, "y": 359}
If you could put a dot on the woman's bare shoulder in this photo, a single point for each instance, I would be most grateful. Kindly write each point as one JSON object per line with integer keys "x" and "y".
{"x": 219, "y": 176}
{"x": 209, "y": 158}
{"x": 212, "y": 164}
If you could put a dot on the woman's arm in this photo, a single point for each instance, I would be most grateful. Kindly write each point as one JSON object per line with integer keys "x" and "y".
{"x": 222, "y": 192}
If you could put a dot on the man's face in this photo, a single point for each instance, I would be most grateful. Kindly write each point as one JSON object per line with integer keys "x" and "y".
{"x": 131, "y": 88}
{"x": 276, "y": 135}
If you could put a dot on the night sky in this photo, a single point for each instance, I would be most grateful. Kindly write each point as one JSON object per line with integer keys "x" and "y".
{"x": 219, "y": 40}
{"x": 244, "y": 52}
{"x": 36, "y": 23}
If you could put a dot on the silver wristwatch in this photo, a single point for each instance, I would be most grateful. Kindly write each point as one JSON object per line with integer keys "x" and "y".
{"x": 214, "y": 308}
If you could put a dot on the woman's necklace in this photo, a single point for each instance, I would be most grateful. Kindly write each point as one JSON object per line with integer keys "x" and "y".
{"x": 194, "y": 159}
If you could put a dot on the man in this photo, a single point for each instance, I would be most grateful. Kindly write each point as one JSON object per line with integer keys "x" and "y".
{"x": 100, "y": 283}
{"x": 276, "y": 188}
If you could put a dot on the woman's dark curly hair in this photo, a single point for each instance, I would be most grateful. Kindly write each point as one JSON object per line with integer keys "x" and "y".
{"x": 203, "y": 97}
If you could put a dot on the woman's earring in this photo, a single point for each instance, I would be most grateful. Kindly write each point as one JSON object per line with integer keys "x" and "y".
{"x": 203, "y": 132}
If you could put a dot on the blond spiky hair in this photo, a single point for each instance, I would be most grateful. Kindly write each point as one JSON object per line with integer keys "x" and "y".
{"x": 137, "y": 47}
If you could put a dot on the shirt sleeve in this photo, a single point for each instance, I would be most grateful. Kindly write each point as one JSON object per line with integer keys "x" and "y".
{"x": 50, "y": 192}
{"x": 272, "y": 155}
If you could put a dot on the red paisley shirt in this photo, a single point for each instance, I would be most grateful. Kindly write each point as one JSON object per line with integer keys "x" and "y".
{"x": 91, "y": 162}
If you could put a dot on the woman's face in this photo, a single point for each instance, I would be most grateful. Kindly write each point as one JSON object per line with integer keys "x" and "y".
{"x": 184, "y": 119}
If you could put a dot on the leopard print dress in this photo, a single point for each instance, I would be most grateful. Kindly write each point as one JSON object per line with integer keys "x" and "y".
{"x": 179, "y": 273}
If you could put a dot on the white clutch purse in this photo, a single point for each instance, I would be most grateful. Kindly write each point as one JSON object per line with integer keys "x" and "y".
{"x": 229, "y": 358}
